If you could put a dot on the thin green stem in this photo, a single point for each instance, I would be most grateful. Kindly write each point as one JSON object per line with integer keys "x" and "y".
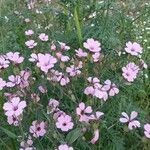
{"x": 77, "y": 24}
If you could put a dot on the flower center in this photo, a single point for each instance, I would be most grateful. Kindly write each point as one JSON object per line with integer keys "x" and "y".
{"x": 64, "y": 124}
{"x": 132, "y": 49}
{"x": 15, "y": 108}
{"x": 82, "y": 112}
{"x": 38, "y": 128}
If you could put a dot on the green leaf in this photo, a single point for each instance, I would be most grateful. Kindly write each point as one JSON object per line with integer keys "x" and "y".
{"x": 73, "y": 135}
{"x": 9, "y": 133}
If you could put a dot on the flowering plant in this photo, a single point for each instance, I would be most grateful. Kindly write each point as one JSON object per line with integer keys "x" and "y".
{"x": 76, "y": 90}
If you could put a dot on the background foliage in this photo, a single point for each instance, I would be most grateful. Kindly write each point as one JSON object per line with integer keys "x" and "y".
{"x": 113, "y": 23}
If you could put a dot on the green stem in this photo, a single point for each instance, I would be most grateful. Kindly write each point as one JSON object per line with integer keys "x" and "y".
{"x": 77, "y": 24}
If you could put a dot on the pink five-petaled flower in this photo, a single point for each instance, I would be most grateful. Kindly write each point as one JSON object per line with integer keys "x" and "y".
{"x": 147, "y": 130}
{"x": 110, "y": 87}
{"x": 63, "y": 58}
{"x": 95, "y": 137}
{"x": 24, "y": 74}
{"x": 73, "y": 70}
{"x": 57, "y": 114}
{"x": 90, "y": 89}
{"x": 99, "y": 92}
{"x": 63, "y": 46}
{"x": 96, "y": 116}
{"x": 34, "y": 57}
{"x": 64, "y": 80}
{"x": 12, "y": 120}
{"x": 14, "y": 107}
{"x": 133, "y": 48}
{"x": 29, "y": 32}
{"x": 64, "y": 147}
{"x": 46, "y": 62}
{"x": 38, "y": 128}
{"x": 3, "y": 62}
{"x": 53, "y": 47}
{"x": 43, "y": 37}
{"x": 83, "y": 112}
{"x": 59, "y": 77}
{"x": 27, "y": 144}
{"x": 13, "y": 80}
{"x": 130, "y": 71}
{"x": 92, "y": 45}
{"x": 14, "y": 57}
{"x": 2, "y": 84}
{"x": 96, "y": 57}
{"x": 130, "y": 120}
{"x": 52, "y": 106}
{"x": 64, "y": 123}
{"x": 30, "y": 44}
{"x": 42, "y": 89}
{"x": 80, "y": 53}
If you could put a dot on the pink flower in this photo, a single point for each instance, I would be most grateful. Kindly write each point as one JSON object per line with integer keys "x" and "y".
{"x": 133, "y": 48}
{"x": 9, "y": 96}
{"x": 34, "y": 57}
{"x": 95, "y": 137}
{"x": 14, "y": 80}
{"x": 99, "y": 92}
{"x": 111, "y": 88}
{"x": 96, "y": 89}
{"x": 2, "y": 84}
{"x": 74, "y": 70}
{"x": 57, "y": 114}
{"x": 52, "y": 106}
{"x": 43, "y": 37}
{"x": 96, "y": 116}
{"x": 83, "y": 112}
{"x": 35, "y": 97}
{"x": 143, "y": 64}
{"x": 96, "y": 57}
{"x": 29, "y": 32}
{"x": 89, "y": 90}
{"x": 53, "y": 47}
{"x": 134, "y": 67}
{"x": 130, "y": 120}
{"x": 12, "y": 120}
{"x": 24, "y": 74}
{"x": 64, "y": 123}
{"x": 27, "y": 145}
{"x": 147, "y": 130}
{"x": 62, "y": 57}
{"x": 30, "y": 44}
{"x": 64, "y": 80}
{"x": 64, "y": 147}
{"x": 92, "y": 45}
{"x": 14, "y": 107}
{"x": 93, "y": 80}
{"x": 42, "y": 89}
{"x": 38, "y": 128}
{"x": 58, "y": 77}
{"x": 3, "y": 62}
{"x": 46, "y": 62}
{"x": 63, "y": 46}
{"x": 14, "y": 57}
{"x": 130, "y": 72}
{"x": 80, "y": 53}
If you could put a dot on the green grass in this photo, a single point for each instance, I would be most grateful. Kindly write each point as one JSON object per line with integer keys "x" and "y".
{"x": 115, "y": 23}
